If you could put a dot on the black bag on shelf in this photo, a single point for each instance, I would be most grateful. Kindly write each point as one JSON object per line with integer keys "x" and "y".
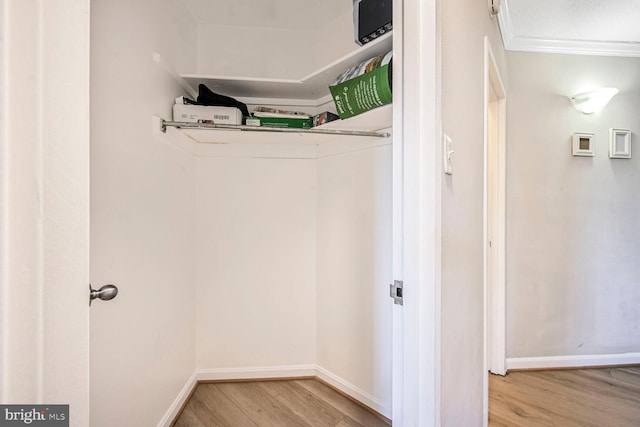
{"x": 207, "y": 97}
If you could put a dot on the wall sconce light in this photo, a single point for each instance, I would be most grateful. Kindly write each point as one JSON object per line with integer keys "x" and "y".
{"x": 590, "y": 102}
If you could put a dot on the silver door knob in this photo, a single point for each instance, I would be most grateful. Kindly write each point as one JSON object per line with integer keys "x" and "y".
{"x": 105, "y": 293}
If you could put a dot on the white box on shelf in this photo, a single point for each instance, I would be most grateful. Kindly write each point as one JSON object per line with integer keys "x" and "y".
{"x": 191, "y": 113}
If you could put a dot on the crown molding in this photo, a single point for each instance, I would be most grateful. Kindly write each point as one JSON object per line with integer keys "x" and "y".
{"x": 512, "y": 42}
{"x": 573, "y": 47}
{"x": 505, "y": 24}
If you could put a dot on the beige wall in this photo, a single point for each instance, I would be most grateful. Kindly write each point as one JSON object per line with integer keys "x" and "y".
{"x": 573, "y": 234}
{"x": 464, "y": 24}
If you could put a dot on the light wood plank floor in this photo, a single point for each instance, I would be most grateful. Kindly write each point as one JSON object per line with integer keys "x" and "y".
{"x": 302, "y": 402}
{"x": 585, "y": 397}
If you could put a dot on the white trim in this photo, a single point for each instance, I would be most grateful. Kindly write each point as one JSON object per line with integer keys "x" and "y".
{"x": 495, "y": 338}
{"x": 437, "y": 214}
{"x": 549, "y": 362}
{"x": 255, "y": 372}
{"x": 494, "y": 304}
{"x": 572, "y": 47}
{"x": 397, "y": 401}
{"x": 353, "y": 391}
{"x": 179, "y": 401}
{"x": 420, "y": 400}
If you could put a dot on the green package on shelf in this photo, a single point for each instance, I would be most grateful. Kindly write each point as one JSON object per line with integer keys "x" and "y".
{"x": 363, "y": 93}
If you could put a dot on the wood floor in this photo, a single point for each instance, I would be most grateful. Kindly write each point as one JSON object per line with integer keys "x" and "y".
{"x": 582, "y": 398}
{"x": 286, "y": 403}
{"x": 585, "y": 397}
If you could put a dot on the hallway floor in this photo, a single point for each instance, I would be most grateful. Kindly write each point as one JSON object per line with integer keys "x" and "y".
{"x": 581, "y": 397}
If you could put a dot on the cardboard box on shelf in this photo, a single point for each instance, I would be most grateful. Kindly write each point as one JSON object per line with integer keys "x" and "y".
{"x": 280, "y": 122}
{"x": 190, "y": 113}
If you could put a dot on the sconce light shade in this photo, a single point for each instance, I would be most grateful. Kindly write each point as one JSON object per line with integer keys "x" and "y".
{"x": 590, "y": 102}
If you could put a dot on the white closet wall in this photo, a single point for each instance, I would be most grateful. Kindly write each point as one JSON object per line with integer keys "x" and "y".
{"x": 279, "y": 40}
{"x": 254, "y": 51}
{"x": 354, "y": 270}
{"x": 293, "y": 267}
{"x": 256, "y": 262}
{"x": 335, "y": 37}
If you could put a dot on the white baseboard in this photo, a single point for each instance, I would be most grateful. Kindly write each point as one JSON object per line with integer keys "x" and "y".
{"x": 353, "y": 391}
{"x": 175, "y": 407}
{"x": 295, "y": 371}
{"x": 581, "y": 361}
{"x": 256, "y": 373}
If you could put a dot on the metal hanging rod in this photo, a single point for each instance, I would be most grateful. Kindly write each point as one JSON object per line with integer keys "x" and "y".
{"x": 186, "y": 125}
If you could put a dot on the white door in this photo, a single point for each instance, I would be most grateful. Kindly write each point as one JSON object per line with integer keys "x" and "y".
{"x": 44, "y": 200}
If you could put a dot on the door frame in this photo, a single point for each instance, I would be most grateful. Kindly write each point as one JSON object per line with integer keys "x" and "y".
{"x": 44, "y": 200}
{"x": 494, "y": 291}
{"x": 417, "y": 191}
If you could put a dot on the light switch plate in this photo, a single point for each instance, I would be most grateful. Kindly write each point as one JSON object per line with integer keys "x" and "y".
{"x": 447, "y": 152}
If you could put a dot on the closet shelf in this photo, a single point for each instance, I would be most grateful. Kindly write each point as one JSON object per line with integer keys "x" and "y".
{"x": 372, "y": 125}
{"x": 316, "y": 130}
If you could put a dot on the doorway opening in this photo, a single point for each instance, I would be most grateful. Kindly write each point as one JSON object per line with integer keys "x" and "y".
{"x": 494, "y": 221}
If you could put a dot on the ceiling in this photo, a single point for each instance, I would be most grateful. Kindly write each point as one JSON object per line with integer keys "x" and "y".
{"x": 594, "y": 27}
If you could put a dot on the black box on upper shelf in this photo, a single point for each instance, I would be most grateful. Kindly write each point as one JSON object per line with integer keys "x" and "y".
{"x": 371, "y": 19}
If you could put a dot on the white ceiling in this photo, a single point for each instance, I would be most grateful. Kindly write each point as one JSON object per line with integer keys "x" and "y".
{"x": 284, "y": 14}
{"x": 596, "y": 27}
